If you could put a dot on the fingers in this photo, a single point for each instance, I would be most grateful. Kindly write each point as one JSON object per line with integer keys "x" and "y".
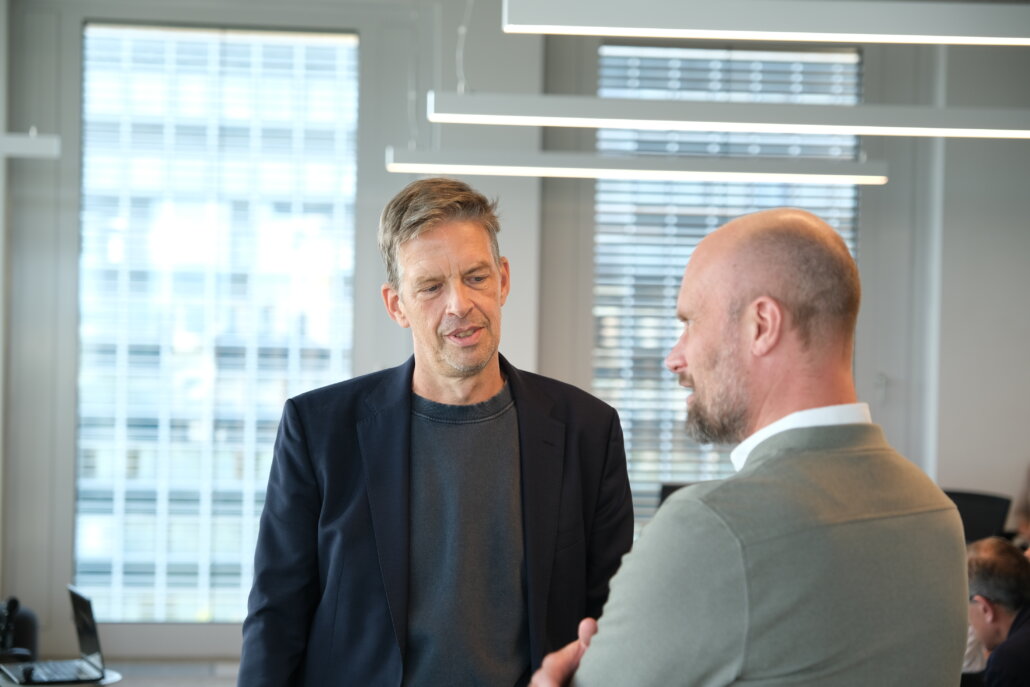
{"x": 587, "y": 629}
{"x": 559, "y": 666}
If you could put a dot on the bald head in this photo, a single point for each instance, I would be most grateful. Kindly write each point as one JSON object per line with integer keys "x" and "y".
{"x": 768, "y": 303}
{"x": 799, "y": 260}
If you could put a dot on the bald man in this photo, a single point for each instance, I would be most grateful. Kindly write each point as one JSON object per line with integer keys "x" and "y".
{"x": 828, "y": 559}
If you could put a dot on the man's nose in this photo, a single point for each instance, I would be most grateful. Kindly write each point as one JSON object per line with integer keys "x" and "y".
{"x": 458, "y": 301}
{"x": 675, "y": 361}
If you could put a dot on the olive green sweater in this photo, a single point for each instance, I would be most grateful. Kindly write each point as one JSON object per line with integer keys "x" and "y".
{"x": 829, "y": 560}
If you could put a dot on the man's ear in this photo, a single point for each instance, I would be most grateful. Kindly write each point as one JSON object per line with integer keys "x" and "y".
{"x": 988, "y": 610}
{"x": 505, "y": 270}
{"x": 392, "y": 301}
{"x": 765, "y": 325}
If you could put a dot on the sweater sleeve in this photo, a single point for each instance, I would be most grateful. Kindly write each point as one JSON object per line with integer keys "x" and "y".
{"x": 678, "y": 608}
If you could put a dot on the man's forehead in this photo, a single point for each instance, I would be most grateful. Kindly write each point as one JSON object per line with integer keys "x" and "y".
{"x": 698, "y": 266}
{"x": 430, "y": 260}
{"x": 706, "y": 275}
{"x": 442, "y": 226}
{"x": 687, "y": 301}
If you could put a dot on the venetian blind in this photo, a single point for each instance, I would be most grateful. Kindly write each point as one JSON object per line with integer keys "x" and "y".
{"x": 215, "y": 279}
{"x": 646, "y": 231}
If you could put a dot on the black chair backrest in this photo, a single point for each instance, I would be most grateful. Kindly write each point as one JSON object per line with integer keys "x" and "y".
{"x": 983, "y": 515}
{"x": 668, "y": 488}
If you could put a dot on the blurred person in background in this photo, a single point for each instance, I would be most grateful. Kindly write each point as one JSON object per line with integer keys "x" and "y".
{"x": 999, "y": 609}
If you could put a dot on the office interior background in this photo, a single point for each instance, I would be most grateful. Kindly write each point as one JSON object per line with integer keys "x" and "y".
{"x": 204, "y": 246}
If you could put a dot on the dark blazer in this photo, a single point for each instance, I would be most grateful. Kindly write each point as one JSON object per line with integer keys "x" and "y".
{"x": 1009, "y": 663}
{"x": 330, "y": 595}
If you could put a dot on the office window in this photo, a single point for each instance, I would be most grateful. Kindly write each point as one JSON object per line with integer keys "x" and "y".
{"x": 216, "y": 265}
{"x": 645, "y": 231}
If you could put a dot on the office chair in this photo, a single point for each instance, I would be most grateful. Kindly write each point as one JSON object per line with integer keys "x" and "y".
{"x": 18, "y": 632}
{"x": 668, "y": 488}
{"x": 983, "y": 515}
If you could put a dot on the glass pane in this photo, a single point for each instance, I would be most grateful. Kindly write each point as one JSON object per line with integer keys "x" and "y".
{"x": 645, "y": 232}
{"x": 217, "y": 238}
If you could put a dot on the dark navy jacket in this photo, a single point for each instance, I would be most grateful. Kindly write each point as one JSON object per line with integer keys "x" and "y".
{"x": 330, "y": 595}
{"x": 1009, "y": 663}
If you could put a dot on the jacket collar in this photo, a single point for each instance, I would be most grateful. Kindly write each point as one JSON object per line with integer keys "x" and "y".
{"x": 542, "y": 451}
{"x": 384, "y": 435}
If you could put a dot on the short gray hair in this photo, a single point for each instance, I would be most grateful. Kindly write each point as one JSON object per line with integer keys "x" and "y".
{"x": 999, "y": 572}
{"x": 426, "y": 203}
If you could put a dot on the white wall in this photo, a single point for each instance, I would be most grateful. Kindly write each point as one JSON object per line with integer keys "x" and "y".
{"x": 985, "y": 299}
{"x": 945, "y": 261}
{"x": 895, "y": 228}
{"x": 3, "y": 260}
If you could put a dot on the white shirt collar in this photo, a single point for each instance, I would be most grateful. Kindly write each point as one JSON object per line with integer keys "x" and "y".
{"x": 845, "y": 414}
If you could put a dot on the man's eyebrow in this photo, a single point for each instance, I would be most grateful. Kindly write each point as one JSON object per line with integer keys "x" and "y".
{"x": 425, "y": 279}
{"x": 478, "y": 267}
{"x": 422, "y": 280}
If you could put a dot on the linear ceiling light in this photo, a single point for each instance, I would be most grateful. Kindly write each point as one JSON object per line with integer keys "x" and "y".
{"x": 587, "y": 166}
{"x": 849, "y": 21}
{"x": 679, "y": 115}
{"x": 46, "y": 146}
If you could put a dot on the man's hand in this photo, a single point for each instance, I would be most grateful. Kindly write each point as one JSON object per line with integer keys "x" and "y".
{"x": 559, "y": 666}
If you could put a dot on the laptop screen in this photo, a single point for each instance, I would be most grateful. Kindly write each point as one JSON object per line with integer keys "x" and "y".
{"x": 86, "y": 628}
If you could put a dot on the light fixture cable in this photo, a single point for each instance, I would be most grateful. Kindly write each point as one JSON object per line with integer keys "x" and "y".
{"x": 459, "y": 48}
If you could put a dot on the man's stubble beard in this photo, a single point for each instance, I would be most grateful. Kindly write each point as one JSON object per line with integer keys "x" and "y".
{"x": 463, "y": 369}
{"x": 723, "y": 418}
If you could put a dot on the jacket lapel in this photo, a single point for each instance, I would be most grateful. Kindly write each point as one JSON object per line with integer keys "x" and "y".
{"x": 541, "y": 445}
{"x": 385, "y": 439}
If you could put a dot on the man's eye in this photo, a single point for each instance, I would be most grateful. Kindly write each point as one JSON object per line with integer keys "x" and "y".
{"x": 431, "y": 289}
{"x": 478, "y": 278}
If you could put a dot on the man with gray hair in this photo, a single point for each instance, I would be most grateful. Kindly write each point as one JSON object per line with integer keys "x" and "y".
{"x": 828, "y": 559}
{"x": 445, "y": 522}
{"x": 999, "y": 610}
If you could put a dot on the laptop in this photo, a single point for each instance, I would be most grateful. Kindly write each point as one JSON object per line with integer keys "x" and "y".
{"x": 88, "y": 668}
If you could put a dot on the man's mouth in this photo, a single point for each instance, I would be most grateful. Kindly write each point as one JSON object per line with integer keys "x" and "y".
{"x": 465, "y": 335}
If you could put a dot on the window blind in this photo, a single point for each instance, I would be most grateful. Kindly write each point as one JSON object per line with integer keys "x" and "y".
{"x": 215, "y": 279}
{"x": 645, "y": 232}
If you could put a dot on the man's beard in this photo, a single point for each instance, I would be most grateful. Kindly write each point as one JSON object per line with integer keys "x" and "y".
{"x": 723, "y": 419}
{"x": 465, "y": 369}
{"x": 464, "y": 364}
